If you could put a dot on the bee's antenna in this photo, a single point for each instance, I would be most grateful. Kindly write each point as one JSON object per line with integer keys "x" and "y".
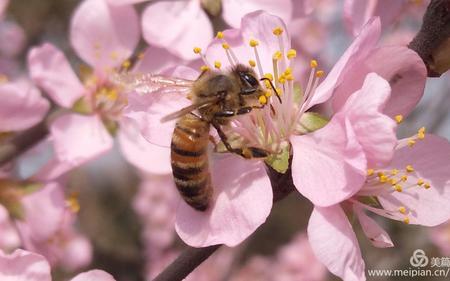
{"x": 273, "y": 87}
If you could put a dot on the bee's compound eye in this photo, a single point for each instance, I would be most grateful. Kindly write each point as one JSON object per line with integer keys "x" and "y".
{"x": 249, "y": 79}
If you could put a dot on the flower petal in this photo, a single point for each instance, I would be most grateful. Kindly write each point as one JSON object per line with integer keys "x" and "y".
{"x": 430, "y": 159}
{"x": 404, "y": 70}
{"x": 233, "y": 10}
{"x": 178, "y": 26}
{"x": 51, "y": 71}
{"x": 358, "y": 12}
{"x": 124, "y": 2}
{"x": 377, "y": 235}
{"x": 358, "y": 50}
{"x": 374, "y": 130}
{"x": 78, "y": 139}
{"x": 241, "y": 202}
{"x": 138, "y": 151}
{"x": 334, "y": 243}
{"x": 336, "y": 150}
{"x": 24, "y": 265}
{"x": 22, "y": 106}
{"x": 102, "y": 35}
{"x": 93, "y": 275}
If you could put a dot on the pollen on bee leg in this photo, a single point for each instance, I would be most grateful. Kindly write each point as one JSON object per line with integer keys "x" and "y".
{"x": 262, "y": 100}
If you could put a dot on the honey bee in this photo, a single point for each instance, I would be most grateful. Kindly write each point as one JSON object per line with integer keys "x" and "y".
{"x": 217, "y": 97}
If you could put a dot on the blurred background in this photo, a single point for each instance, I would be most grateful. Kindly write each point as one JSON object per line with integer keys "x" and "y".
{"x": 128, "y": 218}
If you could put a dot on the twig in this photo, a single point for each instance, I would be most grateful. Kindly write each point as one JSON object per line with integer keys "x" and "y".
{"x": 434, "y": 33}
{"x": 22, "y": 142}
{"x": 191, "y": 258}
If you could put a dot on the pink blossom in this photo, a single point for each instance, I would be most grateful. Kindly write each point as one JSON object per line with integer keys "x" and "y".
{"x": 9, "y": 238}
{"x": 410, "y": 188}
{"x": 58, "y": 241}
{"x": 440, "y": 236}
{"x": 24, "y": 265}
{"x": 22, "y": 106}
{"x": 3, "y": 6}
{"x": 104, "y": 39}
{"x": 180, "y": 25}
{"x": 358, "y": 12}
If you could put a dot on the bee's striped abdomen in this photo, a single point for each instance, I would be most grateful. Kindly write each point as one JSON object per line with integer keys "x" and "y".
{"x": 189, "y": 159}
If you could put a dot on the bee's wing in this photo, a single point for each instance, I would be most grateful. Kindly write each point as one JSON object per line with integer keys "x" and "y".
{"x": 188, "y": 109}
{"x": 144, "y": 83}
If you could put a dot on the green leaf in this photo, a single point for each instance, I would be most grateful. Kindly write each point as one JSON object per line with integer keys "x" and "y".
{"x": 310, "y": 122}
{"x": 279, "y": 162}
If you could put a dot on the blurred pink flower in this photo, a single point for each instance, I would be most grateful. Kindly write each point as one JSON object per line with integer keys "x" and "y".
{"x": 12, "y": 39}
{"x": 22, "y": 106}
{"x": 24, "y": 265}
{"x": 104, "y": 39}
{"x": 58, "y": 241}
{"x": 9, "y": 239}
{"x": 440, "y": 237}
{"x": 3, "y": 6}
{"x": 178, "y": 26}
{"x": 410, "y": 189}
{"x": 358, "y": 12}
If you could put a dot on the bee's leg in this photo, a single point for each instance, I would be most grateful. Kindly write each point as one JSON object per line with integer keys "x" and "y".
{"x": 240, "y": 111}
{"x": 246, "y": 152}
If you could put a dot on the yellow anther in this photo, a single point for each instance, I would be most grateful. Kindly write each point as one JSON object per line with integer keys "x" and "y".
{"x": 398, "y": 188}
{"x": 402, "y": 209}
{"x": 197, "y": 50}
{"x": 380, "y": 174}
{"x": 126, "y": 64}
{"x": 382, "y": 179}
{"x": 277, "y": 31}
{"x": 420, "y": 135}
{"x": 288, "y": 71}
{"x": 409, "y": 169}
{"x": 370, "y": 172}
{"x": 252, "y": 63}
{"x": 219, "y": 35}
{"x": 313, "y": 64}
{"x": 277, "y": 55}
{"x": 262, "y": 99}
{"x": 72, "y": 202}
{"x": 291, "y": 54}
{"x": 282, "y": 79}
{"x": 268, "y": 93}
{"x": 204, "y": 68}
{"x": 422, "y": 130}
{"x": 398, "y": 118}
{"x": 393, "y": 182}
{"x": 267, "y": 83}
{"x": 406, "y": 220}
{"x": 427, "y": 185}
{"x": 411, "y": 142}
{"x": 112, "y": 94}
{"x": 217, "y": 64}
{"x": 394, "y": 172}
{"x": 404, "y": 178}
{"x": 290, "y": 77}
{"x": 420, "y": 182}
{"x": 114, "y": 55}
{"x": 225, "y": 46}
{"x": 268, "y": 76}
{"x": 319, "y": 73}
{"x": 253, "y": 43}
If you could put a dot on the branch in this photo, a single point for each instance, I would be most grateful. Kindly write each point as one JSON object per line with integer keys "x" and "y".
{"x": 191, "y": 258}
{"x": 22, "y": 142}
{"x": 432, "y": 42}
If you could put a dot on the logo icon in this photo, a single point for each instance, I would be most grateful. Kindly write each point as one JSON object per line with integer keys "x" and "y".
{"x": 419, "y": 258}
